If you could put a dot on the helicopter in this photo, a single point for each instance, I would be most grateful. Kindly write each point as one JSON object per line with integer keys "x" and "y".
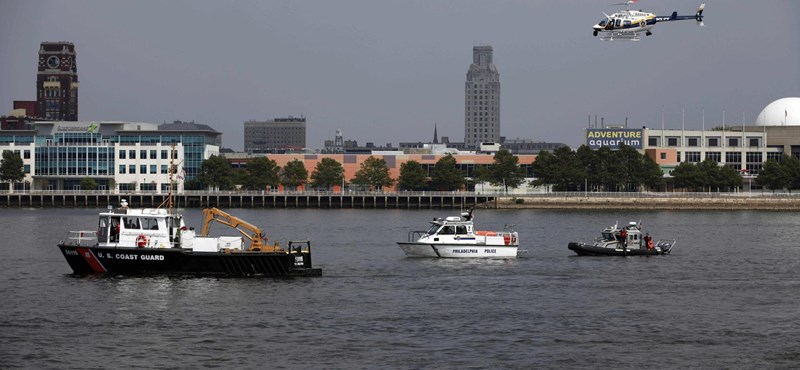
{"x": 627, "y": 24}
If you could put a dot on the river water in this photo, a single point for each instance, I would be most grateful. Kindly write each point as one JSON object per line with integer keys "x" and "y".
{"x": 727, "y": 297}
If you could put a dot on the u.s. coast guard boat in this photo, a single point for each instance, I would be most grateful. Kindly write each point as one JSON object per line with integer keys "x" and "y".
{"x": 626, "y": 240}
{"x": 156, "y": 241}
{"x": 455, "y": 237}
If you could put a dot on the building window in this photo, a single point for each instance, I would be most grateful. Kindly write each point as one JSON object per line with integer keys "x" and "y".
{"x": 733, "y": 157}
{"x": 778, "y": 156}
{"x": 733, "y": 142}
{"x": 153, "y": 154}
{"x": 164, "y": 169}
{"x": 693, "y": 141}
{"x": 754, "y": 157}
{"x": 26, "y": 154}
{"x": 754, "y": 142}
{"x": 132, "y": 169}
{"x": 713, "y": 141}
{"x": 164, "y": 154}
{"x": 714, "y": 156}
{"x": 143, "y": 154}
{"x": 122, "y": 169}
{"x": 693, "y": 157}
{"x": 652, "y": 141}
{"x": 142, "y": 169}
{"x": 122, "y": 154}
{"x": 153, "y": 169}
{"x": 132, "y": 154}
{"x": 663, "y": 155}
{"x": 672, "y": 141}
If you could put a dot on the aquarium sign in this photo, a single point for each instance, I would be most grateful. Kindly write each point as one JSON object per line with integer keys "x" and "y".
{"x": 612, "y": 137}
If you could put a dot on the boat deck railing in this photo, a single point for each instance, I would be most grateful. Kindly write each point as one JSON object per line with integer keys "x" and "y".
{"x": 415, "y": 235}
{"x": 81, "y": 238}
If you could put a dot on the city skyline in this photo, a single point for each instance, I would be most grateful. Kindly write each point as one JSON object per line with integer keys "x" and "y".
{"x": 381, "y": 78}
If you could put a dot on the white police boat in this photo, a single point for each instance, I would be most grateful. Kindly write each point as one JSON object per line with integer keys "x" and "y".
{"x": 456, "y": 237}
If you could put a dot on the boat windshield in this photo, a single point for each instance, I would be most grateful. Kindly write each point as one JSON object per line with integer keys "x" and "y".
{"x": 608, "y": 236}
{"x": 432, "y": 229}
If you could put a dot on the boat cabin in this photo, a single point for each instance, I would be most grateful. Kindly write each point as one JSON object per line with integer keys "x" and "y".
{"x": 632, "y": 229}
{"x": 453, "y": 225}
{"x": 138, "y": 228}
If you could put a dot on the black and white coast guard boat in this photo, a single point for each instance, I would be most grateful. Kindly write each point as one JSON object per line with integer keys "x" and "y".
{"x": 623, "y": 241}
{"x": 156, "y": 241}
{"x": 455, "y": 237}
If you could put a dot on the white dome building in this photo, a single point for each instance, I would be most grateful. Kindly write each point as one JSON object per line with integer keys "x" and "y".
{"x": 782, "y": 112}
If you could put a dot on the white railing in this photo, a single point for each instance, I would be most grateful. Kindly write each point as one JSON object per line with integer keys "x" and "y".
{"x": 575, "y": 194}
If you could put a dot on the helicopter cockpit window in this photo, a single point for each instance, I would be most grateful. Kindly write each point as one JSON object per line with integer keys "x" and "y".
{"x": 603, "y": 22}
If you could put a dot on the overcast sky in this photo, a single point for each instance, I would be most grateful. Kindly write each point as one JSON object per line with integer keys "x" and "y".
{"x": 386, "y": 71}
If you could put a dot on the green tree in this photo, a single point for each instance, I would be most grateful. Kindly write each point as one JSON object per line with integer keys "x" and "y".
{"x": 11, "y": 167}
{"x": 373, "y": 173}
{"x": 294, "y": 174}
{"x": 544, "y": 169}
{"x": 569, "y": 171}
{"x": 774, "y": 176}
{"x": 216, "y": 173}
{"x": 446, "y": 174}
{"x": 687, "y": 176}
{"x": 262, "y": 172}
{"x": 710, "y": 173}
{"x": 412, "y": 176}
{"x": 730, "y": 178}
{"x": 652, "y": 176}
{"x": 327, "y": 173}
{"x": 88, "y": 183}
{"x": 504, "y": 171}
{"x": 792, "y": 166}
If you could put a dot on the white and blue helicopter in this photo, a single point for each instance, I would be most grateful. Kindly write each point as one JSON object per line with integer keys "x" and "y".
{"x": 627, "y": 24}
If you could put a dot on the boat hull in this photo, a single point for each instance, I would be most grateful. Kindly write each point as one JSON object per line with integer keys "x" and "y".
{"x": 413, "y": 249}
{"x": 583, "y": 249}
{"x": 145, "y": 261}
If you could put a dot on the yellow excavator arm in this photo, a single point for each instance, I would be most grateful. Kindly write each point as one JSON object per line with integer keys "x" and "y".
{"x": 256, "y": 237}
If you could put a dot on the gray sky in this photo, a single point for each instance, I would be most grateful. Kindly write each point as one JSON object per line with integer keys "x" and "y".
{"x": 387, "y": 70}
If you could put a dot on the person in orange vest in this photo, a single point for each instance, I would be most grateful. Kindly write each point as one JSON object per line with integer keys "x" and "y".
{"x": 648, "y": 241}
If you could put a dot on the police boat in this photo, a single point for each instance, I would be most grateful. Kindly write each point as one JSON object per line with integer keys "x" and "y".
{"x": 456, "y": 237}
{"x": 626, "y": 240}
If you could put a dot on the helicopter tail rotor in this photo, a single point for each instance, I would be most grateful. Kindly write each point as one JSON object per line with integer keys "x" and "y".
{"x": 699, "y": 15}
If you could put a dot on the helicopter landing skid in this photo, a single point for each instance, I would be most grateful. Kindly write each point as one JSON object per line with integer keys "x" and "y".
{"x": 621, "y": 36}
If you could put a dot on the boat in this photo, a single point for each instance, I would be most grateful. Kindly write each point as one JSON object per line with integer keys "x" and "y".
{"x": 455, "y": 237}
{"x": 156, "y": 241}
{"x": 612, "y": 243}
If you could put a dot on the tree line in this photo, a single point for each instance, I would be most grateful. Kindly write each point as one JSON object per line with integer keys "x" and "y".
{"x": 626, "y": 169}
{"x": 373, "y": 174}
{"x": 564, "y": 169}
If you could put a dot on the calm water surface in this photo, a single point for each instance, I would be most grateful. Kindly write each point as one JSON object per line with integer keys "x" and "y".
{"x": 727, "y": 297}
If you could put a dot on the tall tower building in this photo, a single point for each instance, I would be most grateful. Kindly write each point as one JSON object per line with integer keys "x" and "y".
{"x": 481, "y": 99}
{"x": 57, "y": 82}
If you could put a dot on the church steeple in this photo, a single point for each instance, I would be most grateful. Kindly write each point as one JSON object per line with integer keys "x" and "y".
{"x": 435, "y": 134}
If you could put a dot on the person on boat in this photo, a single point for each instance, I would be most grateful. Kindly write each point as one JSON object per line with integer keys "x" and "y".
{"x": 624, "y": 236}
{"x": 648, "y": 240}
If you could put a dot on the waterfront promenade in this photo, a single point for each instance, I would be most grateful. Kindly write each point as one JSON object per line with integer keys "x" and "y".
{"x": 406, "y": 200}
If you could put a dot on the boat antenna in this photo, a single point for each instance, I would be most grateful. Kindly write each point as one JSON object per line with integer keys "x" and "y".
{"x": 168, "y": 201}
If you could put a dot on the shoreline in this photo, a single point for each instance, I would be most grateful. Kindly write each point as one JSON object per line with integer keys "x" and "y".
{"x": 420, "y": 200}
{"x": 650, "y": 202}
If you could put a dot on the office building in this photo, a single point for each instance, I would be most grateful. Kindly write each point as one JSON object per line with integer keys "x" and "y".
{"x": 481, "y": 99}
{"x": 277, "y": 135}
